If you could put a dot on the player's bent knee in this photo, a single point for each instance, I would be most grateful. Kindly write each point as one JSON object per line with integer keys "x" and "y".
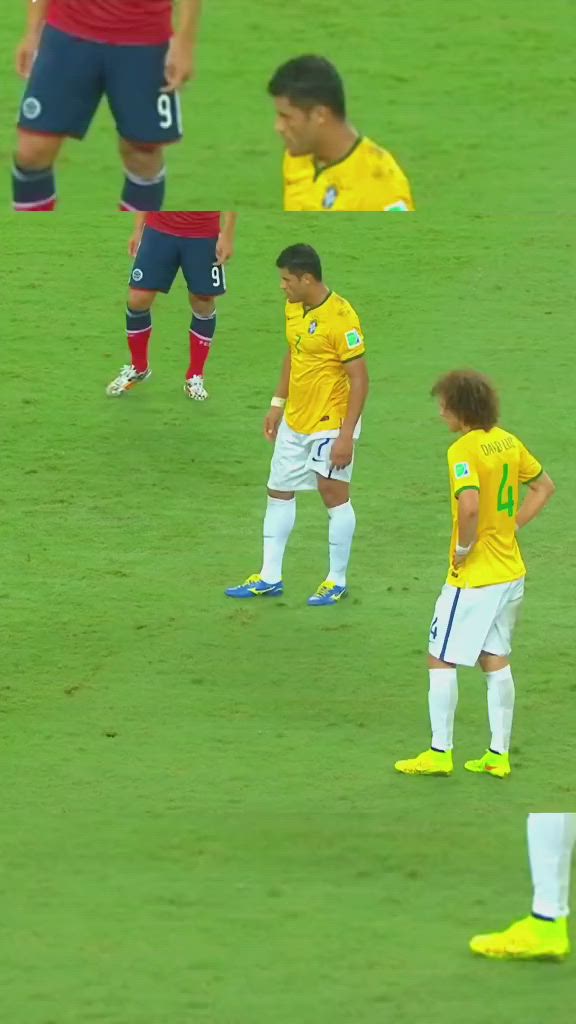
{"x": 204, "y": 305}
{"x": 36, "y": 152}
{"x": 492, "y": 662}
{"x": 333, "y": 492}
{"x": 437, "y": 663}
{"x": 140, "y": 300}
{"x": 127, "y": 148}
{"x": 281, "y": 495}
{"x": 146, "y": 161}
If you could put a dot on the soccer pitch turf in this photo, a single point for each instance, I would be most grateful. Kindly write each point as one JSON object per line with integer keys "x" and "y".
{"x": 200, "y": 817}
{"x": 473, "y": 100}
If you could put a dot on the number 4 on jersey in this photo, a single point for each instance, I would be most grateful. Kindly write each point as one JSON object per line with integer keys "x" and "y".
{"x": 508, "y": 505}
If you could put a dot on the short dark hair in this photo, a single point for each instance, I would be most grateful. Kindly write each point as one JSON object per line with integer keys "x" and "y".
{"x": 310, "y": 82}
{"x": 470, "y": 396}
{"x": 300, "y": 259}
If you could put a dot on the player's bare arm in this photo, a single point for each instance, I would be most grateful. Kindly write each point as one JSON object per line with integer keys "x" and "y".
{"x": 136, "y": 236}
{"x": 276, "y": 412}
{"x": 539, "y": 493}
{"x": 181, "y": 56}
{"x": 28, "y": 47}
{"x": 225, "y": 244}
{"x": 468, "y": 514}
{"x": 343, "y": 447}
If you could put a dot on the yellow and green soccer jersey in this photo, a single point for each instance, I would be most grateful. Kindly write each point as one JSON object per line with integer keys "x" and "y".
{"x": 321, "y": 341}
{"x": 368, "y": 179}
{"x": 495, "y": 463}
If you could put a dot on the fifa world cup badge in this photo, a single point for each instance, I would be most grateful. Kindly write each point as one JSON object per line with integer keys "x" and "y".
{"x": 313, "y": 327}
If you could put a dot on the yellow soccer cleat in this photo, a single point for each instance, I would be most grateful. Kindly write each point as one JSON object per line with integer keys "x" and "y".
{"x": 491, "y": 764}
{"x": 529, "y": 939}
{"x": 430, "y": 762}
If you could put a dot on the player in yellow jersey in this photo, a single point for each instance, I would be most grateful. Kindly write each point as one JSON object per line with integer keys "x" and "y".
{"x": 327, "y": 164}
{"x": 476, "y": 612}
{"x": 544, "y": 934}
{"x": 314, "y": 422}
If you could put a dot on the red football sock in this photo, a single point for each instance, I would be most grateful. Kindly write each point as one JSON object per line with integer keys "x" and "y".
{"x": 43, "y": 206}
{"x": 199, "y": 352}
{"x": 138, "y": 343}
{"x": 139, "y": 329}
{"x": 201, "y": 336}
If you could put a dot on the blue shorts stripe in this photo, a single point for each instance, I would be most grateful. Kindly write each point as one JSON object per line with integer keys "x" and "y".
{"x": 450, "y": 622}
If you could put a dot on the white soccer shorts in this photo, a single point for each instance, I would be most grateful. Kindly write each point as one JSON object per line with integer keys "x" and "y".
{"x": 470, "y": 620}
{"x": 299, "y": 457}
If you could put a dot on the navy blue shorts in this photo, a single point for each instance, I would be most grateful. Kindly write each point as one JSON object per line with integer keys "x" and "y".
{"x": 161, "y": 256}
{"x": 70, "y": 76}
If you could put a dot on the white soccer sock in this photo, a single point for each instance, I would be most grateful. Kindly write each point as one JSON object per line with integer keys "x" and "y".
{"x": 551, "y": 839}
{"x": 278, "y": 525}
{"x": 340, "y": 533}
{"x": 500, "y": 708}
{"x": 442, "y": 701}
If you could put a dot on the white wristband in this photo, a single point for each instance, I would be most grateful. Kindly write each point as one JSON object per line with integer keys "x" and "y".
{"x": 278, "y": 403}
{"x": 463, "y": 551}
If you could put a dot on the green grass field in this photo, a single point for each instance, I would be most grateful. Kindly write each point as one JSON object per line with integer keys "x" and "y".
{"x": 473, "y": 99}
{"x": 200, "y": 820}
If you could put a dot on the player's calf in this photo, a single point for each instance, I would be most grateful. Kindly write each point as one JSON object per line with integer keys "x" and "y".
{"x": 33, "y": 181}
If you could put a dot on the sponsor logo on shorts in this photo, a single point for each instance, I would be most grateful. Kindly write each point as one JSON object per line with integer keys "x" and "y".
{"x": 461, "y": 469}
{"x": 31, "y": 108}
{"x": 330, "y": 197}
{"x": 353, "y": 339}
{"x": 320, "y": 448}
{"x": 137, "y": 274}
{"x": 313, "y": 327}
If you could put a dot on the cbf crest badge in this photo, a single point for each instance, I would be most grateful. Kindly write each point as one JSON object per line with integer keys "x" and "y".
{"x": 330, "y": 197}
{"x": 313, "y": 327}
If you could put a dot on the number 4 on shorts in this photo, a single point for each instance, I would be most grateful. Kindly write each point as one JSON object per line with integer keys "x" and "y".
{"x": 508, "y": 505}
{"x": 434, "y": 629}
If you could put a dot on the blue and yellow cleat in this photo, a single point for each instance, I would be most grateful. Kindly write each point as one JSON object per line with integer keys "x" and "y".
{"x": 528, "y": 939}
{"x": 255, "y": 586}
{"x": 327, "y": 593}
{"x": 490, "y": 764}
{"x": 429, "y": 762}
